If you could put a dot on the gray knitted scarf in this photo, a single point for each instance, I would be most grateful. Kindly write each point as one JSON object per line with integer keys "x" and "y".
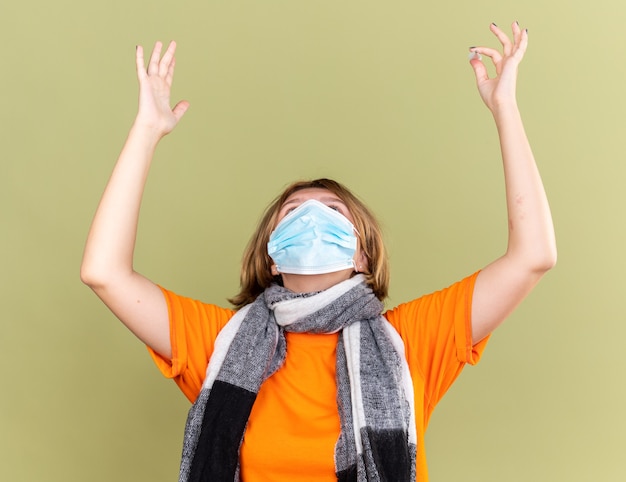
{"x": 374, "y": 390}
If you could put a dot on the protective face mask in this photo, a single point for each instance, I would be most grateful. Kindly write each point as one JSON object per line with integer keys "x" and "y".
{"x": 313, "y": 239}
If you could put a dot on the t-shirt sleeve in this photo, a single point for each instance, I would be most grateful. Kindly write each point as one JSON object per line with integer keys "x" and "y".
{"x": 437, "y": 334}
{"x": 194, "y": 325}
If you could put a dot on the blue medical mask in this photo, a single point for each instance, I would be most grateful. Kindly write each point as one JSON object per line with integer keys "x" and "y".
{"x": 313, "y": 239}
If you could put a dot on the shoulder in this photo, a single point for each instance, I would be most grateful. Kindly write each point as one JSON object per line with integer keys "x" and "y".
{"x": 191, "y": 306}
{"x": 439, "y": 324}
{"x": 456, "y": 297}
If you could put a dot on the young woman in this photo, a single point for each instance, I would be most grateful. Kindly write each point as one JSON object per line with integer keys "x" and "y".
{"x": 308, "y": 378}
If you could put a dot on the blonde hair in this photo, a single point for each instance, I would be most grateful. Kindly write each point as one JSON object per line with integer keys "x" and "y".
{"x": 256, "y": 266}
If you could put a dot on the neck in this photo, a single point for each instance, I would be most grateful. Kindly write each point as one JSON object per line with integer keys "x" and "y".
{"x": 308, "y": 283}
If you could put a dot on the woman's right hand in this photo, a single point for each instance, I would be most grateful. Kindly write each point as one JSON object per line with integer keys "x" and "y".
{"x": 155, "y": 83}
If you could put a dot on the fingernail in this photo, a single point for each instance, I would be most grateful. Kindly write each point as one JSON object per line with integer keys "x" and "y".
{"x": 472, "y": 48}
{"x": 526, "y": 30}
{"x": 492, "y": 23}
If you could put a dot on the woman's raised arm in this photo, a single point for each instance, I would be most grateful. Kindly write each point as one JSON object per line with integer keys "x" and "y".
{"x": 531, "y": 249}
{"x": 107, "y": 265}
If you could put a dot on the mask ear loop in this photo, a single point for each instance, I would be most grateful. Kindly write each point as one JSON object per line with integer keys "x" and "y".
{"x": 358, "y": 266}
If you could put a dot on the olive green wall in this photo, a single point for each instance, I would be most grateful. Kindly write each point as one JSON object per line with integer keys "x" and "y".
{"x": 376, "y": 94}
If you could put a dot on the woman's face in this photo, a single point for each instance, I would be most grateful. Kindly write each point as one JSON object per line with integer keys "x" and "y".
{"x": 302, "y": 282}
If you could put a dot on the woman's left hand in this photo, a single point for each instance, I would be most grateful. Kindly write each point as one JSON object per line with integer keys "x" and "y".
{"x": 500, "y": 90}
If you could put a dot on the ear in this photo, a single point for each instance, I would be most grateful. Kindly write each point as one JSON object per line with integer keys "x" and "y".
{"x": 274, "y": 270}
{"x": 362, "y": 266}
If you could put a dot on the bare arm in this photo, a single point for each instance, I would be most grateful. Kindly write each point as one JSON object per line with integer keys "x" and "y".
{"x": 107, "y": 265}
{"x": 531, "y": 249}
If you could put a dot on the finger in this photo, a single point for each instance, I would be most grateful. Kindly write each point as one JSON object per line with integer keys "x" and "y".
{"x": 517, "y": 32}
{"x": 180, "y": 109}
{"x": 141, "y": 67}
{"x": 503, "y": 38}
{"x": 479, "y": 70}
{"x": 522, "y": 45}
{"x": 164, "y": 65}
{"x": 153, "y": 65}
{"x": 170, "y": 72}
{"x": 493, "y": 54}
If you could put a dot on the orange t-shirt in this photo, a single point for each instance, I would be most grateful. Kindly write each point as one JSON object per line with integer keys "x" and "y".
{"x": 294, "y": 423}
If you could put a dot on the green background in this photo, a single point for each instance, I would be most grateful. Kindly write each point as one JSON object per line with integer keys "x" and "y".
{"x": 376, "y": 94}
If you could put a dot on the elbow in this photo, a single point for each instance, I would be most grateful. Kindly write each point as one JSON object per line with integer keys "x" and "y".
{"x": 545, "y": 261}
{"x": 88, "y": 276}
{"x": 99, "y": 274}
{"x": 550, "y": 256}
{"x": 552, "y": 262}
{"x": 546, "y": 265}
{"x": 535, "y": 262}
{"x": 93, "y": 275}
